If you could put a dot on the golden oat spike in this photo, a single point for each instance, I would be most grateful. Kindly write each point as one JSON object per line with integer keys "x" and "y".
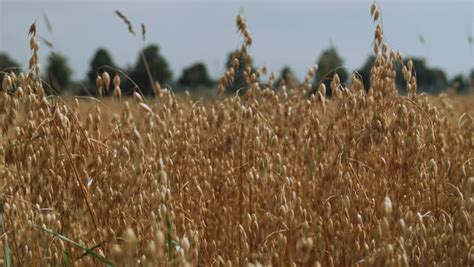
{"x": 32, "y": 30}
{"x": 373, "y": 7}
{"x": 126, "y": 20}
{"x": 143, "y": 32}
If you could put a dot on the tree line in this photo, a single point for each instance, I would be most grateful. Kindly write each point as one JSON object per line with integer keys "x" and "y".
{"x": 150, "y": 62}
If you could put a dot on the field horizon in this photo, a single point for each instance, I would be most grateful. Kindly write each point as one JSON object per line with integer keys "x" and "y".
{"x": 266, "y": 172}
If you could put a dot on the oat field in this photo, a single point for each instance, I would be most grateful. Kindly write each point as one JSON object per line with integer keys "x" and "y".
{"x": 273, "y": 175}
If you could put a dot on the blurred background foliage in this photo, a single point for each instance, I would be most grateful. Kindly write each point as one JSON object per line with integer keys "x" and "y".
{"x": 196, "y": 78}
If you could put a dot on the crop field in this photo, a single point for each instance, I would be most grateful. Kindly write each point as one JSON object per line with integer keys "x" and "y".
{"x": 273, "y": 175}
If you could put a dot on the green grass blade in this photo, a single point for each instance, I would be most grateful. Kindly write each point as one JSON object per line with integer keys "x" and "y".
{"x": 7, "y": 255}
{"x": 6, "y": 248}
{"x": 90, "y": 252}
{"x": 91, "y": 249}
{"x": 170, "y": 236}
{"x": 66, "y": 257}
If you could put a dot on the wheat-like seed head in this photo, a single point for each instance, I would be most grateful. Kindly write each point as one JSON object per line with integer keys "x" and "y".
{"x": 106, "y": 80}
{"x": 270, "y": 176}
{"x": 99, "y": 84}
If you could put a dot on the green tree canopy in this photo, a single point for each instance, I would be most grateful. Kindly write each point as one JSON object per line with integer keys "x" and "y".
{"x": 101, "y": 58}
{"x": 6, "y": 62}
{"x": 329, "y": 64}
{"x": 159, "y": 69}
{"x": 472, "y": 78}
{"x": 288, "y": 77}
{"x": 194, "y": 76}
{"x": 459, "y": 83}
{"x": 239, "y": 81}
{"x": 58, "y": 72}
{"x": 438, "y": 79}
{"x": 421, "y": 72}
{"x": 428, "y": 79}
{"x": 364, "y": 71}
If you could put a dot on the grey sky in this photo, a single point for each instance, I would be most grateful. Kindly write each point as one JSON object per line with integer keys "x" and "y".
{"x": 288, "y": 32}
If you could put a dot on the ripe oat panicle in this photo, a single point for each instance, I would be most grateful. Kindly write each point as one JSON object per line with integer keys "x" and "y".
{"x": 269, "y": 176}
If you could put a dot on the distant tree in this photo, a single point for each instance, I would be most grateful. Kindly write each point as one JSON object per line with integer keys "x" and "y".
{"x": 101, "y": 58}
{"x": 239, "y": 81}
{"x": 329, "y": 64}
{"x": 423, "y": 75}
{"x": 194, "y": 76}
{"x": 364, "y": 71}
{"x": 472, "y": 79}
{"x": 159, "y": 69}
{"x": 438, "y": 79}
{"x": 428, "y": 79}
{"x": 287, "y": 76}
{"x": 459, "y": 83}
{"x": 58, "y": 72}
{"x": 6, "y": 63}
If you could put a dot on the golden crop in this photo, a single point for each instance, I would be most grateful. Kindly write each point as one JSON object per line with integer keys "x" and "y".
{"x": 281, "y": 177}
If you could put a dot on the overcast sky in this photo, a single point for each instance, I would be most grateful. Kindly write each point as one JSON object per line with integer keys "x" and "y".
{"x": 292, "y": 33}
